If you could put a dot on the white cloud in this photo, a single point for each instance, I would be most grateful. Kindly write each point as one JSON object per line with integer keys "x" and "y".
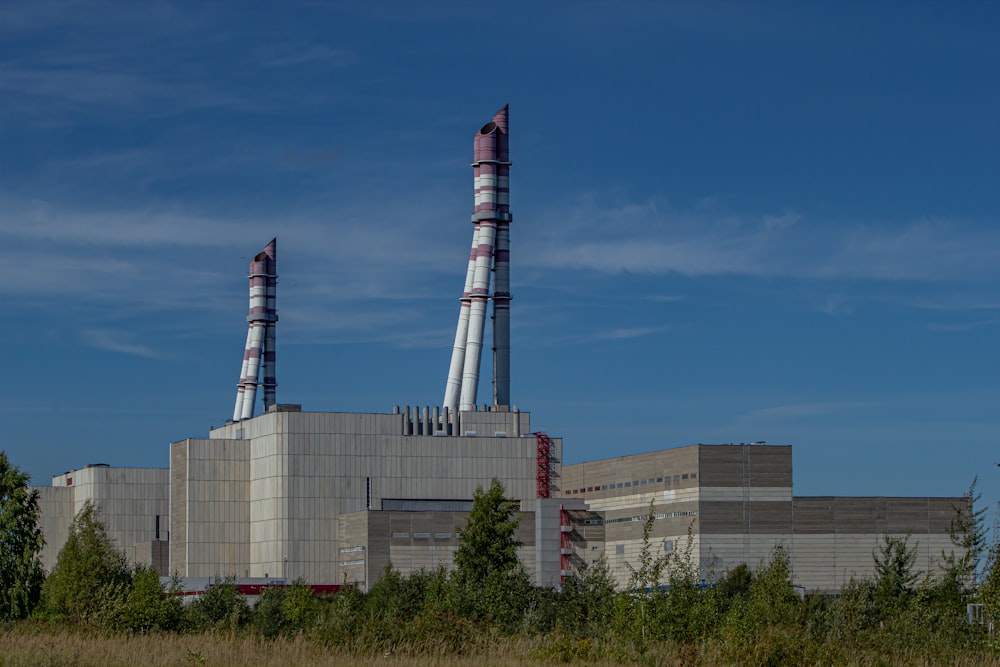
{"x": 115, "y": 340}
{"x": 285, "y": 55}
{"x": 651, "y": 238}
{"x": 806, "y": 410}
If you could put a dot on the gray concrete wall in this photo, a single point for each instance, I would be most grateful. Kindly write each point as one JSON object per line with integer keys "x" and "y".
{"x": 304, "y": 470}
{"x": 128, "y": 500}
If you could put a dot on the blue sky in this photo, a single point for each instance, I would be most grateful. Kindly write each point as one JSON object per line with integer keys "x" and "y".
{"x": 732, "y": 222}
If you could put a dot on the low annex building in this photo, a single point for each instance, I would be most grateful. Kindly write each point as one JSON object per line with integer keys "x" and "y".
{"x": 735, "y": 504}
{"x": 133, "y": 504}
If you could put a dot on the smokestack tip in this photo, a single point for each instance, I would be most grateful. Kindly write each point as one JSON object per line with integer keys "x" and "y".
{"x": 500, "y": 119}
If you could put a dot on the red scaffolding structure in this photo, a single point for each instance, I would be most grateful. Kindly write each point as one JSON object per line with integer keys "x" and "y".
{"x": 565, "y": 545}
{"x": 542, "y": 465}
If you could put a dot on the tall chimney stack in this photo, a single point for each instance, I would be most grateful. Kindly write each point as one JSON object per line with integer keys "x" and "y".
{"x": 259, "y": 354}
{"x": 490, "y": 254}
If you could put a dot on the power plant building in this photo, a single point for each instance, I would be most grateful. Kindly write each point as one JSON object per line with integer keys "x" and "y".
{"x": 334, "y": 497}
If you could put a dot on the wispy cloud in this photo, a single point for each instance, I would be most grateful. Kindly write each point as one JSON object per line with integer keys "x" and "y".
{"x": 652, "y": 238}
{"x": 115, "y": 340}
{"x": 77, "y": 89}
{"x": 284, "y": 55}
{"x": 347, "y": 275}
{"x": 583, "y": 337}
{"x": 959, "y": 327}
{"x": 806, "y": 410}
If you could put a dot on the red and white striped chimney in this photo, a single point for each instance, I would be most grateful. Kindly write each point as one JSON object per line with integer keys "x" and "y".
{"x": 490, "y": 254}
{"x": 259, "y": 354}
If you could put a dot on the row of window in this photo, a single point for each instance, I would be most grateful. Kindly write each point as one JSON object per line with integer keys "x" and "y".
{"x": 635, "y": 482}
{"x": 425, "y": 536}
{"x": 657, "y": 517}
{"x": 668, "y": 545}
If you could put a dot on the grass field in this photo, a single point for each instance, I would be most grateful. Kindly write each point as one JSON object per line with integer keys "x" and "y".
{"x": 33, "y": 645}
{"x": 23, "y": 647}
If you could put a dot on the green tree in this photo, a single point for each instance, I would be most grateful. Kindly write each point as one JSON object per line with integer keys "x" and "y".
{"x": 685, "y": 611}
{"x": 148, "y": 605}
{"x": 773, "y": 599}
{"x": 491, "y": 581}
{"x": 967, "y": 531}
{"x": 735, "y": 583}
{"x": 989, "y": 592}
{"x": 634, "y": 614}
{"x": 21, "y": 542}
{"x": 649, "y": 574}
{"x": 760, "y": 626}
{"x": 894, "y": 573}
{"x": 301, "y": 608}
{"x": 488, "y": 543}
{"x": 586, "y": 602}
{"x": 222, "y": 607}
{"x": 286, "y": 610}
{"x": 91, "y": 578}
{"x": 268, "y": 614}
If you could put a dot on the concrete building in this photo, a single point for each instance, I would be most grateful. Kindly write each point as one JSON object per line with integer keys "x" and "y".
{"x": 334, "y": 497}
{"x": 265, "y": 497}
{"x": 132, "y": 503}
{"x": 734, "y": 504}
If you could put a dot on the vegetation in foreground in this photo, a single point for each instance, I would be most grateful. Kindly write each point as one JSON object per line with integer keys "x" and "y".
{"x": 93, "y": 608}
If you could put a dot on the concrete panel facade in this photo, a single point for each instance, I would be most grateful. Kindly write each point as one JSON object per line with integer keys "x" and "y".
{"x": 414, "y": 541}
{"x": 737, "y": 503}
{"x": 334, "y": 497}
{"x": 289, "y": 476}
{"x": 131, "y": 502}
{"x": 56, "y": 506}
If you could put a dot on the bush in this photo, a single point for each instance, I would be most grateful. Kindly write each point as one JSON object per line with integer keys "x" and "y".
{"x": 148, "y": 606}
{"x": 222, "y": 607}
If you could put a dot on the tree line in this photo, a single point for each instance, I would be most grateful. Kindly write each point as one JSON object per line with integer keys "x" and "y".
{"x": 752, "y": 615}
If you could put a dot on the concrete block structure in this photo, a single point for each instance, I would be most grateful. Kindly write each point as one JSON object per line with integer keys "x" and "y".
{"x": 336, "y": 497}
{"x": 132, "y": 503}
{"x": 734, "y": 504}
{"x": 267, "y": 497}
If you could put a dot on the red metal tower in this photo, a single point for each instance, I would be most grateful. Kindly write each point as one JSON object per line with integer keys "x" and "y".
{"x": 544, "y": 454}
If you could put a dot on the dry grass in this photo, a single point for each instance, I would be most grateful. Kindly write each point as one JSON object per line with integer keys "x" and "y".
{"x": 22, "y": 650}
{"x": 33, "y": 646}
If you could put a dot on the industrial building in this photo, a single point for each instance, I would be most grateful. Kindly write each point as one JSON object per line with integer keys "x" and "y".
{"x": 335, "y": 497}
{"x": 735, "y": 505}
